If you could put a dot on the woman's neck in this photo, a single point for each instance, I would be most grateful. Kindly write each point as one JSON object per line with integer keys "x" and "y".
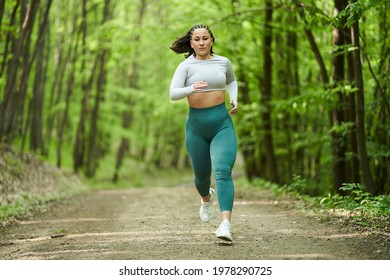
{"x": 204, "y": 57}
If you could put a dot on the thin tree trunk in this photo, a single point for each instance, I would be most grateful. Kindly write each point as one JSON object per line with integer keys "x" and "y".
{"x": 70, "y": 62}
{"x": 337, "y": 114}
{"x": 297, "y": 122}
{"x": 354, "y": 160}
{"x": 36, "y": 136}
{"x": 93, "y": 150}
{"x": 36, "y": 139}
{"x": 80, "y": 138}
{"x": 360, "y": 112}
{"x": 59, "y": 74}
{"x": 266, "y": 95}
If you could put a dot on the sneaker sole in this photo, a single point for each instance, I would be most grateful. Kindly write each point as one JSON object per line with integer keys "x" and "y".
{"x": 225, "y": 238}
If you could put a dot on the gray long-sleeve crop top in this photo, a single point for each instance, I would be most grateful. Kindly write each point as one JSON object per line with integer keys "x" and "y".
{"x": 217, "y": 72}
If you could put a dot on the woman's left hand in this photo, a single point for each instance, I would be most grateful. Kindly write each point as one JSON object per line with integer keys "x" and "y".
{"x": 234, "y": 104}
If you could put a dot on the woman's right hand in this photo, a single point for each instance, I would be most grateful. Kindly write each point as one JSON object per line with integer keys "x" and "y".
{"x": 200, "y": 85}
{"x": 234, "y": 104}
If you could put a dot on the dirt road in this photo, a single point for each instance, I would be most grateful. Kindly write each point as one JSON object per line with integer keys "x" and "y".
{"x": 162, "y": 223}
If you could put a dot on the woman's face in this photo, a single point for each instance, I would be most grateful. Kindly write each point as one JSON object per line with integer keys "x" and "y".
{"x": 201, "y": 42}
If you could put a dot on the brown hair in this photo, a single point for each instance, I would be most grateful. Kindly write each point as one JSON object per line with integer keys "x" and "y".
{"x": 183, "y": 45}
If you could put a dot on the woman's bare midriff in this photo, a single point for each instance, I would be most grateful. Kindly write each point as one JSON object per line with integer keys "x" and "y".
{"x": 206, "y": 99}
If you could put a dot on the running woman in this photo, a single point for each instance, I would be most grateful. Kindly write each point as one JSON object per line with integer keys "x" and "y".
{"x": 203, "y": 78}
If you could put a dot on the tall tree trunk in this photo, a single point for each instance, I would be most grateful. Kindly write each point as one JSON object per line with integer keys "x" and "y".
{"x": 360, "y": 112}
{"x": 93, "y": 149}
{"x": 339, "y": 141}
{"x": 69, "y": 65}
{"x": 94, "y": 152}
{"x": 36, "y": 127}
{"x": 354, "y": 159}
{"x": 266, "y": 95}
{"x": 297, "y": 124}
{"x": 59, "y": 74}
{"x": 80, "y": 138}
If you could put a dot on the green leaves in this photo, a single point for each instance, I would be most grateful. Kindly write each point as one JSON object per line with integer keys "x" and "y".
{"x": 359, "y": 201}
{"x": 355, "y": 11}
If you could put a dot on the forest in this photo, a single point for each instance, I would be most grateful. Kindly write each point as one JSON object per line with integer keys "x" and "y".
{"x": 87, "y": 81}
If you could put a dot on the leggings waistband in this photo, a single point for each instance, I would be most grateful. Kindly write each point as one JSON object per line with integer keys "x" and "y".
{"x": 210, "y": 112}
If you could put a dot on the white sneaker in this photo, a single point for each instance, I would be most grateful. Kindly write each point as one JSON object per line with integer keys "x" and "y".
{"x": 206, "y": 208}
{"x": 223, "y": 231}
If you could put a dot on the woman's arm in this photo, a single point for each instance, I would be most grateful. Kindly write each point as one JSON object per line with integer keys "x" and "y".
{"x": 178, "y": 90}
{"x": 232, "y": 87}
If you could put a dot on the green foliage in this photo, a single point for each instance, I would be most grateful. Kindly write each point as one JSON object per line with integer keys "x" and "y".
{"x": 249, "y": 125}
{"x": 301, "y": 187}
{"x": 360, "y": 202}
{"x": 357, "y": 9}
{"x": 358, "y": 206}
{"x": 13, "y": 165}
{"x": 298, "y": 186}
{"x": 26, "y": 204}
{"x": 342, "y": 130}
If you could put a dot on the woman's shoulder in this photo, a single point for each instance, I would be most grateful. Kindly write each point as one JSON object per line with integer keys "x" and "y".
{"x": 185, "y": 63}
{"x": 221, "y": 57}
{"x": 188, "y": 60}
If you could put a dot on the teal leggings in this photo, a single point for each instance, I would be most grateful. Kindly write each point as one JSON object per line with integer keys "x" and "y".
{"x": 212, "y": 145}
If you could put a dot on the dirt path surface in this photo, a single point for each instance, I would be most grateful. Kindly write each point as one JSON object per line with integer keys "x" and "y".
{"x": 162, "y": 223}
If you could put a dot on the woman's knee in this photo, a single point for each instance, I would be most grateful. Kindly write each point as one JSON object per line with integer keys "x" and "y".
{"x": 223, "y": 173}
